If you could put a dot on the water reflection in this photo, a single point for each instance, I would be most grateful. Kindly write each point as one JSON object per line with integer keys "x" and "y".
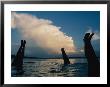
{"x": 53, "y": 68}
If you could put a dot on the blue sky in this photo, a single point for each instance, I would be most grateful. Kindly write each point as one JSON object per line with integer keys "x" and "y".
{"x": 73, "y": 23}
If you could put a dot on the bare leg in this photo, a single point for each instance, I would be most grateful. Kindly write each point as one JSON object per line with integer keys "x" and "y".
{"x": 15, "y": 61}
{"x": 65, "y": 57}
{"x": 93, "y": 63}
{"x": 21, "y": 56}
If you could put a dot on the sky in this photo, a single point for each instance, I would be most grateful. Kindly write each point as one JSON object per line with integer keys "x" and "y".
{"x": 46, "y": 32}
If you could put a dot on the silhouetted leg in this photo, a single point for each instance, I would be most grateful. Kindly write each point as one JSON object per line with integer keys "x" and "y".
{"x": 15, "y": 61}
{"x": 93, "y": 63}
{"x": 22, "y": 54}
{"x": 65, "y": 57}
{"x": 20, "y": 66}
{"x": 19, "y": 58}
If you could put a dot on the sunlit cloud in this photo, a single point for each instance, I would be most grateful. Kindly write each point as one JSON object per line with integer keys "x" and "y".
{"x": 42, "y": 33}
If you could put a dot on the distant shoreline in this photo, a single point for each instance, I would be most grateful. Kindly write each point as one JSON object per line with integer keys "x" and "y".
{"x": 12, "y": 56}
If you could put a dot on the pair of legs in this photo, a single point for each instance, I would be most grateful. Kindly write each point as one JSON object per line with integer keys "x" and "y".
{"x": 93, "y": 63}
{"x": 18, "y": 61}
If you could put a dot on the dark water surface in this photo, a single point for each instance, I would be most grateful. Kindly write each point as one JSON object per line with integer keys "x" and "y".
{"x": 52, "y": 68}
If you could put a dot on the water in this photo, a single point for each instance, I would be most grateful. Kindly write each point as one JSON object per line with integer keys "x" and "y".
{"x": 52, "y": 68}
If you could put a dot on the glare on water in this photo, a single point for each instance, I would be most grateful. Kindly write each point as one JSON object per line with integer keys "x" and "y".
{"x": 53, "y": 68}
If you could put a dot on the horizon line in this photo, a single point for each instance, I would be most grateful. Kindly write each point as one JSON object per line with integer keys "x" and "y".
{"x": 77, "y": 57}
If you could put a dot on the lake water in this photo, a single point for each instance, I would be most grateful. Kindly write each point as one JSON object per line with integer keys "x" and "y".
{"x": 52, "y": 68}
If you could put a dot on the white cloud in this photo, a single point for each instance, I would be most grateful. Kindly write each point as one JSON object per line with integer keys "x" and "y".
{"x": 42, "y": 32}
{"x": 96, "y": 34}
{"x": 82, "y": 50}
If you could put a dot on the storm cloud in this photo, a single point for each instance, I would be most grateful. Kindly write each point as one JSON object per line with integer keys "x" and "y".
{"x": 42, "y": 33}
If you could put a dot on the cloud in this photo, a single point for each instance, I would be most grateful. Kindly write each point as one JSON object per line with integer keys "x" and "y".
{"x": 42, "y": 33}
{"x": 82, "y": 50}
{"x": 96, "y": 34}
